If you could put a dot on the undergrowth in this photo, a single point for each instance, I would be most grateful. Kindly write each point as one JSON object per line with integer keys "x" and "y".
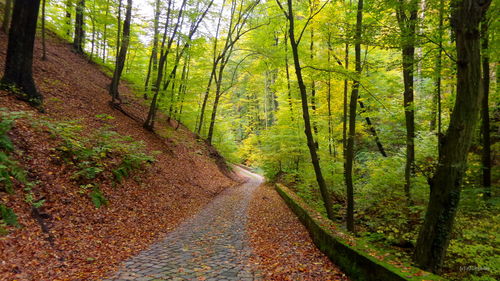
{"x": 97, "y": 155}
{"x": 11, "y": 172}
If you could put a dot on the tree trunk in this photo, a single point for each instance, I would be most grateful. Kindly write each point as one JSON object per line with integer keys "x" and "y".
{"x": 44, "y": 47}
{"x": 119, "y": 27}
{"x": 19, "y": 60}
{"x": 445, "y": 185}
{"x": 218, "y": 94}
{"x": 183, "y": 88}
{"x": 153, "y": 61}
{"x": 344, "y": 115}
{"x": 69, "y": 6}
{"x": 327, "y": 201}
{"x": 313, "y": 91}
{"x": 352, "y": 121}
{"x": 92, "y": 20}
{"x": 165, "y": 50}
{"x": 288, "y": 83}
{"x": 212, "y": 118}
{"x": 407, "y": 26}
{"x": 205, "y": 100}
{"x": 105, "y": 34}
{"x": 485, "y": 117}
{"x": 329, "y": 97}
{"x": 372, "y": 130}
{"x": 6, "y": 15}
{"x": 79, "y": 32}
{"x": 436, "y": 101}
{"x": 120, "y": 59}
{"x": 215, "y": 61}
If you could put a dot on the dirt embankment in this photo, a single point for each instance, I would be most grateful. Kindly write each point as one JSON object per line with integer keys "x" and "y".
{"x": 89, "y": 242}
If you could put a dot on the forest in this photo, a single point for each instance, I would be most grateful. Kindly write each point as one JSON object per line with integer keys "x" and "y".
{"x": 382, "y": 115}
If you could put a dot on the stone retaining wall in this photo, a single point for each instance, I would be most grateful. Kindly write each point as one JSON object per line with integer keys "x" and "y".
{"x": 346, "y": 251}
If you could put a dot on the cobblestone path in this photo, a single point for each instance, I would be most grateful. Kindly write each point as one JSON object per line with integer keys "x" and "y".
{"x": 210, "y": 246}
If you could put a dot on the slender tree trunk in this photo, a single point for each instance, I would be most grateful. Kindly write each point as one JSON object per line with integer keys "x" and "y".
{"x": 329, "y": 97}
{"x": 485, "y": 116}
{"x": 218, "y": 94}
{"x": 172, "y": 92}
{"x": 19, "y": 60}
{"x": 288, "y": 83}
{"x": 92, "y": 20}
{"x": 305, "y": 114}
{"x": 122, "y": 55}
{"x": 352, "y": 121}
{"x": 313, "y": 91}
{"x": 44, "y": 47}
{"x": 344, "y": 115}
{"x": 211, "y": 127}
{"x": 215, "y": 61}
{"x": 79, "y": 32}
{"x": 407, "y": 24}
{"x": 372, "y": 130}
{"x": 105, "y": 34}
{"x": 165, "y": 50}
{"x": 6, "y": 15}
{"x": 205, "y": 100}
{"x": 445, "y": 185}
{"x": 153, "y": 61}
{"x": 436, "y": 101}
{"x": 119, "y": 26}
{"x": 149, "y": 123}
{"x": 183, "y": 88}
{"x": 69, "y": 6}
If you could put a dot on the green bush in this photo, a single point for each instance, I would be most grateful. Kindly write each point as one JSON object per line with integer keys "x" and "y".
{"x": 8, "y": 216}
{"x": 9, "y": 169}
{"x": 98, "y": 154}
{"x": 98, "y": 198}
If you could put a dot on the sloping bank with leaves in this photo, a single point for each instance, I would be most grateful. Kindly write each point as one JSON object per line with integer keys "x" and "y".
{"x": 77, "y": 199}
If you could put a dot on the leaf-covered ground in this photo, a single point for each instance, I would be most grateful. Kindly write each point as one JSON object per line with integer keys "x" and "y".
{"x": 89, "y": 242}
{"x": 283, "y": 248}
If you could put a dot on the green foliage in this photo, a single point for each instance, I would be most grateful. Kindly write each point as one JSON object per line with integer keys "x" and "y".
{"x": 30, "y": 199}
{"x": 129, "y": 163}
{"x": 9, "y": 168}
{"x": 98, "y": 198}
{"x": 474, "y": 252}
{"x": 8, "y": 216}
{"x": 94, "y": 153}
{"x": 98, "y": 155}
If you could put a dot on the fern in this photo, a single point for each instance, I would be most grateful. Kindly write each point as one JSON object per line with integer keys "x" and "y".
{"x": 8, "y": 215}
{"x": 98, "y": 198}
{"x": 9, "y": 169}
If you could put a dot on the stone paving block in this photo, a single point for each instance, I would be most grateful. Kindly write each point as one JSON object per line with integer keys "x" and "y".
{"x": 213, "y": 244}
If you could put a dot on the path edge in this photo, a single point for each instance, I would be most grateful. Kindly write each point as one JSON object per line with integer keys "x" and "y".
{"x": 343, "y": 250}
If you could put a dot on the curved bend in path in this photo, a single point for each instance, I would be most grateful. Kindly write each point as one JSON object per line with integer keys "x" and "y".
{"x": 210, "y": 246}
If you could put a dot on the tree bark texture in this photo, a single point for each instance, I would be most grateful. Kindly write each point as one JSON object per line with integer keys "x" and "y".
{"x": 120, "y": 59}
{"x": 7, "y": 15}
{"x": 18, "y": 64}
{"x": 79, "y": 32}
{"x": 485, "y": 116}
{"x": 407, "y": 25}
{"x": 327, "y": 201}
{"x": 445, "y": 185}
{"x": 352, "y": 121}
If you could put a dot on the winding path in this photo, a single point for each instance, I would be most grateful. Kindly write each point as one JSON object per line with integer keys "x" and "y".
{"x": 210, "y": 246}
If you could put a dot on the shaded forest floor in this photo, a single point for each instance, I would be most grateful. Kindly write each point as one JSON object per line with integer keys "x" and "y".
{"x": 88, "y": 242}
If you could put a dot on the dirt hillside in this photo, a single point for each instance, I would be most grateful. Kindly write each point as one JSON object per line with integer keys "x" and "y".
{"x": 89, "y": 242}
